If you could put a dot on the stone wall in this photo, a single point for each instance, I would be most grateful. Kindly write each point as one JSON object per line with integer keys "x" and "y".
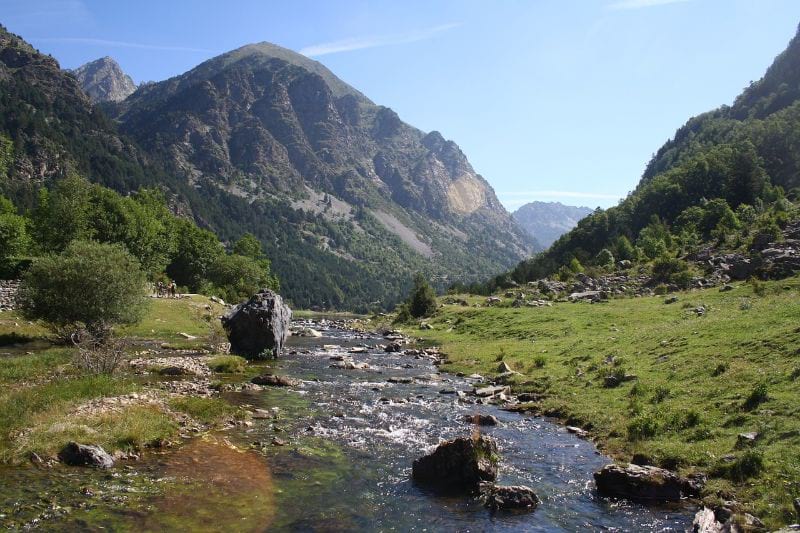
{"x": 8, "y": 292}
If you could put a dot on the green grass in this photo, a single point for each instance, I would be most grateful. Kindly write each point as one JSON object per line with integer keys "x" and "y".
{"x": 699, "y": 381}
{"x": 205, "y": 410}
{"x": 228, "y": 364}
{"x": 35, "y": 366}
{"x": 166, "y": 318}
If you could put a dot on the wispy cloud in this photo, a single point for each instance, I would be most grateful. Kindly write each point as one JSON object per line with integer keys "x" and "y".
{"x": 639, "y": 4}
{"x": 375, "y": 41}
{"x": 119, "y": 44}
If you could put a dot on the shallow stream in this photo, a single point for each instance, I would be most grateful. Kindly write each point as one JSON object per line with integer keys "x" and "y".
{"x": 348, "y": 440}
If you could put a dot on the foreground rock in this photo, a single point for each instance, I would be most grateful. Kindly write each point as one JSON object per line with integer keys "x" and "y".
{"x": 459, "y": 465}
{"x": 517, "y": 498}
{"x": 639, "y": 483}
{"x": 259, "y": 326}
{"x": 75, "y": 454}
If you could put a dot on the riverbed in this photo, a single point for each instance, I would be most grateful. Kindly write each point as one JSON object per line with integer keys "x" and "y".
{"x": 335, "y": 454}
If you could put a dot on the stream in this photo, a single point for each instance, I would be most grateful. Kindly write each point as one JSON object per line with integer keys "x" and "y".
{"x": 336, "y": 457}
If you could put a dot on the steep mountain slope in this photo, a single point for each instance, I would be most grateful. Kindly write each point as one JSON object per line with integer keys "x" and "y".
{"x": 325, "y": 176}
{"x": 736, "y": 155}
{"x": 348, "y": 200}
{"x": 104, "y": 80}
{"x": 547, "y": 221}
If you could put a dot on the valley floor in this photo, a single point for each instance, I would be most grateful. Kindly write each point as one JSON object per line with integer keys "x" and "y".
{"x": 671, "y": 383}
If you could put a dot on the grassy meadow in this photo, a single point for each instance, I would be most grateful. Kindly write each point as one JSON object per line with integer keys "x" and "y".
{"x": 690, "y": 383}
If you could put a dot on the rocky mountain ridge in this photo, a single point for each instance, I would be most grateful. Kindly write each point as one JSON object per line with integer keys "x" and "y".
{"x": 104, "y": 80}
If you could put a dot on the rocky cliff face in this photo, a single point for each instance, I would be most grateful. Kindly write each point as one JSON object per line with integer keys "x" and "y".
{"x": 547, "y": 221}
{"x": 104, "y": 81}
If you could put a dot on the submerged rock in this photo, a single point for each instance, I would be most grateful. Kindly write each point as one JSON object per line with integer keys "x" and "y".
{"x": 258, "y": 326}
{"x": 75, "y": 454}
{"x": 482, "y": 420}
{"x": 459, "y": 465}
{"x": 639, "y": 483}
{"x": 511, "y": 498}
{"x": 274, "y": 381}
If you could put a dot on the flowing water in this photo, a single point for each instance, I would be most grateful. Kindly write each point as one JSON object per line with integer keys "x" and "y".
{"x": 349, "y": 438}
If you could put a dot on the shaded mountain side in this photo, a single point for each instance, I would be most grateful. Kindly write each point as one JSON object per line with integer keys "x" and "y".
{"x": 348, "y": 200}
{"x": 104, "y": 80}
{"x": 547, "y": 221}
{"x": 722, "y": 174}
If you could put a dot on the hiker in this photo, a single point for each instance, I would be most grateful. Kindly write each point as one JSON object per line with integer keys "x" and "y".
{"x": 172, "y": 288}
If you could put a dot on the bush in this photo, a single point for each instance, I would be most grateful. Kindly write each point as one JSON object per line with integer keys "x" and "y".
{"x": 757, "y": 396}
{"x": 98, "y": 356}
{"x": 642, "y": 427}
{"x": 748, "y": 465}
{"x": 89, "y": 286}
{"x": 720, "y": 369}
{"x": 539, "y": 361}
{"x": 422, "y": 301}
{"x": 605, "y": 258}
{"x": 668, "y": 269}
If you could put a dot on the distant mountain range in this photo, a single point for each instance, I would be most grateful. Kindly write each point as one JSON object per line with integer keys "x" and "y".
{"x": 348, "y": 200}
{"x": 547, "y": 221}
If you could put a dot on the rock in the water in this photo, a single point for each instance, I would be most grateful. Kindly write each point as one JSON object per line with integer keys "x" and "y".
{"x": 512, "y": 498}
{"x": 258, "y": 326}
{"x": 639, "y": 483}
{"x": 706, "y": 522}
{"x": 458, "y": 465}
{"x": 482, "y": 420}
{"x": 75, "y": 454}
{"x": 274, "y": 381}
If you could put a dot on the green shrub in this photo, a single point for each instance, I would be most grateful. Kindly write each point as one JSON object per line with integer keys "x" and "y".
{"x": 720, "y": 369}
{"x": 539, "y": 361}
{"x": 228, "y": 364}
{"x": 642, "y": 427}
{"x": 748, "y": 465}
{"x": 668, "y": 269}
{"x": 758, "y": 395}
{"x": 89, "y": 285}
{"x": 661, "y": 393}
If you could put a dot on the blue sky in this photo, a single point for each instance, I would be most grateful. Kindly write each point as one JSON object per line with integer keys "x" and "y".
{"x": 549, "y": 99}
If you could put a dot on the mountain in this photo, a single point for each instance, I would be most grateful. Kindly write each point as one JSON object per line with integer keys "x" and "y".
{"x": 104, "y": 81}
{"x": 348, "y": 200}
{"x": 49, "y": 128}
{"x": 721, "y": 178}
{"x": 547, "y": 221}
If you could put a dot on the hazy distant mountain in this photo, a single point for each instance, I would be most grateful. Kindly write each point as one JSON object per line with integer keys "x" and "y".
{"x": 104, "y": 81}
{"x": 547, "y": 221}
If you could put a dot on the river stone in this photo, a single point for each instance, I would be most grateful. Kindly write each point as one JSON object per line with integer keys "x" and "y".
{"x": 458, "y": 465}
{"x": 511, "y": 498}
{"x": 482, "y": 420}
{"x": 639, "y": 483}
{"x": 75, "y": 454}
{"x": 706, "y": 522}
{"x": 274, "y": 381}
{"x": 258, "y": 326}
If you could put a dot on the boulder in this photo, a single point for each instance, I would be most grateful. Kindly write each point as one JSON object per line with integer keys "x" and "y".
{"x": 639, "y": 483}
{"x": 488, "y": 392}
{"x": 459, "y": 465}
{"x": 517, "y": 498}
{"x": 393, "y": 347}
{"x": 75, "y": 454}
{"x": 482, "y": 420}
{"x": 706, "y": 522}
{"x": 258, "y": 326}
{"x": 745, "y": 440}
{"x": 274, "y": 381}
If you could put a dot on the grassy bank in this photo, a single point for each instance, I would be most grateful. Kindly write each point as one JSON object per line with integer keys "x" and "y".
{"x": 40, "y": 388}
{"x": 690, "y": 382}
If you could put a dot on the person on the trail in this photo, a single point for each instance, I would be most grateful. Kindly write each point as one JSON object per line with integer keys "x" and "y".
{"x": 172, "y": 288}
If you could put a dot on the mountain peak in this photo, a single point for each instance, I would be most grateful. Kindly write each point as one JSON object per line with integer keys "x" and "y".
{"x": 104, "y": 80}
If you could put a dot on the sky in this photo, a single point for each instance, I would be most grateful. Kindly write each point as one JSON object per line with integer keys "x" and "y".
{"x": 550, "y": 100}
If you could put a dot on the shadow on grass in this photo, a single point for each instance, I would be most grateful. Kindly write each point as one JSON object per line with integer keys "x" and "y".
{"x": 7, "y": 339}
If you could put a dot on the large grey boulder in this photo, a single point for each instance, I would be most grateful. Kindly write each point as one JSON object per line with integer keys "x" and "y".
{"x": 258, "y": 326}
{"x": 517, "y": 498}
{"x": 75, "y": 454}
{"x": 459, "y": 465}
{"x": 639, "y": 483}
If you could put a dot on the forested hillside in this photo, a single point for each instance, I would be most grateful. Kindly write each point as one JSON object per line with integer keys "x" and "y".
{"x": 727, "y": 179}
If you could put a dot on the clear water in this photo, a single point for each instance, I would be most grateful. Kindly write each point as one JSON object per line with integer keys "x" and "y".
{"x": 350, "y": 440}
